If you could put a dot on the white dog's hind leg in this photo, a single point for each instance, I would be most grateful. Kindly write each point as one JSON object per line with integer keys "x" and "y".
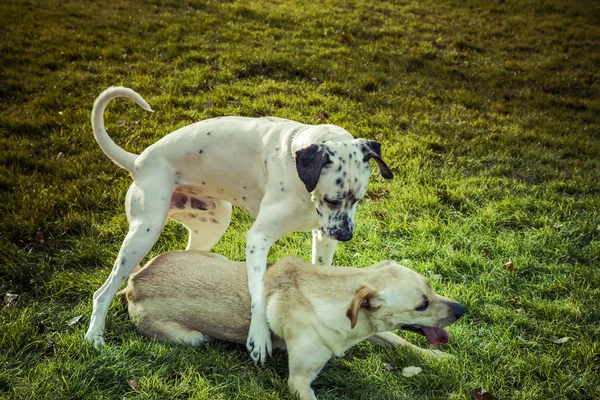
{"x": 147, "y": 208}
{"x": 205, "y": 227}
{"x": 323, "y": 248}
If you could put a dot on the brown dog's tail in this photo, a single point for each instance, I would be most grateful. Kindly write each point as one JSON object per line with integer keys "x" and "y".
{"x": 122, "y": 294}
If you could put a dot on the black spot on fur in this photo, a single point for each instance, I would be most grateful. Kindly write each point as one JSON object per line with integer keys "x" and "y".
{"x": 214, "y": 221}
{"x": 320, "y": 260}
{"x": 148, "y": 230}
{"x": 207, "y": 133}
{"x": 198, "y": 204}
{"x": 123, "y": 261}
{"x": 178, "y": 200}
{"x": 200, "y": 151}
{"x": 339, "y": 182}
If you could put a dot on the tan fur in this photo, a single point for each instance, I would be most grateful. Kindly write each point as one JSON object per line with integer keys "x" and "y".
{"x": 189, "y": 297}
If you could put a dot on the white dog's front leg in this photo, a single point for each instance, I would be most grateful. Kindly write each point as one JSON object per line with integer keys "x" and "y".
{"x": 259, "y": 336}
{"x": 323, "y": 248}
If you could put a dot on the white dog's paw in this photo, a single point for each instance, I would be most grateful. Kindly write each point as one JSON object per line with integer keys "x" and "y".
{"x": 259, "y": 341}
{"x": 97, "y": 339}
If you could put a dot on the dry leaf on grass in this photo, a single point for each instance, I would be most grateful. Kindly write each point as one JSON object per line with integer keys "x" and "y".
{"x": 10, "y": 297}
{"x": 74, "y": 320}
{"x": 482, "y": 394}
{"x": 322, "y": 116}
{"x": 561, "y": 340}
{"x": 133, "y": 383}
{"x": 508, "y": 265}
{"x": 39, "y": 236}
{"x": 388, "y": 366}
{"x": 411, "y": 371}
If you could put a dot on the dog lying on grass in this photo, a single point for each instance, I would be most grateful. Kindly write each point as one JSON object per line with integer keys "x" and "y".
{"x": 315, "y": 312}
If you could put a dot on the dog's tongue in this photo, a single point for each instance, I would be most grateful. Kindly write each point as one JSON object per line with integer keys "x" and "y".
{"x": 435, "y": 336}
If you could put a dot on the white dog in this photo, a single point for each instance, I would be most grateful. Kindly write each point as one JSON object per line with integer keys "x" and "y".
{"x": 289, "y": 176}
{"x": 316, "y": 312}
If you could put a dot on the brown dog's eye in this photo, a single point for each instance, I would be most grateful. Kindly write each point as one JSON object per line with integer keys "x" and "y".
{"x": 423, "y": 306}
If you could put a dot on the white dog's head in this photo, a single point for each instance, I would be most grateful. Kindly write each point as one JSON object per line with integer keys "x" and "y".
{"x": 337, "y": 175}
{"x": 395, "y": 297}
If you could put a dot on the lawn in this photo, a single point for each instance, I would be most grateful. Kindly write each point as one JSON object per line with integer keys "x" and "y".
{"x": 489, "y": 117}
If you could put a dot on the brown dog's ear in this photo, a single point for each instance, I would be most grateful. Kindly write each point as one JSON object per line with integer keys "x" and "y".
{"x": 309, "y": 163}
{"x": 372, "y": 149}
{"x": 362, "y": 299}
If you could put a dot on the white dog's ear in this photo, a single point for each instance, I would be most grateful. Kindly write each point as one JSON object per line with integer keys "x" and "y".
{"x": 372, "y": 149}
{"x": 362, "y": 299}
{"x": 309, "y": 163}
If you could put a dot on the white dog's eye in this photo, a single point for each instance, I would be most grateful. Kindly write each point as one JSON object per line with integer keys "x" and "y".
{"x": 334, "y": 203}
{"x": 423, "y": 306}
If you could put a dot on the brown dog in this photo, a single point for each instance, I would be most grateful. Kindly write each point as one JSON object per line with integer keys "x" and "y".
{"x": 189, "y": 297}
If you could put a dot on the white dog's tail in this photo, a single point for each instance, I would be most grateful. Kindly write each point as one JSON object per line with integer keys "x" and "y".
{"x": 117, "y": 154}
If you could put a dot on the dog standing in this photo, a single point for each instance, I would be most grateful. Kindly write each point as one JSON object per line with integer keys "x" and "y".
{"x": 289, "y": 176}
{"x": 316, "y": 312}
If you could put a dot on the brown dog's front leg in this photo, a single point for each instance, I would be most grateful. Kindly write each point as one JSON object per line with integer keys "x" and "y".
{"x": 391, "y": 340}
{"x": 306, "y": 359}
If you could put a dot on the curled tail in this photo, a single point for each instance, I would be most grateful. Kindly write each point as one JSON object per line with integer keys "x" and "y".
{"x": 114, "y": 152}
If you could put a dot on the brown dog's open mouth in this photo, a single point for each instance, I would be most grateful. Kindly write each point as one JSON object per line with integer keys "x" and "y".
{"x": 434, "y": 336}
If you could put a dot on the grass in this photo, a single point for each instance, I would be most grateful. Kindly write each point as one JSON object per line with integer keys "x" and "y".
{"x": 489, "y": 115}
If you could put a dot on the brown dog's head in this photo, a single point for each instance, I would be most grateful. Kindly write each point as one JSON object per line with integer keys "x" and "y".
{"x": 395, "y": 297}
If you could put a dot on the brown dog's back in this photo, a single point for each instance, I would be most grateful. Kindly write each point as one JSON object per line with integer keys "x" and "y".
{"x": 189, "y": 288}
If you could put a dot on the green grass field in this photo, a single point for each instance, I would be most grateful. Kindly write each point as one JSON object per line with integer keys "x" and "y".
{"x": 489, "y": 115}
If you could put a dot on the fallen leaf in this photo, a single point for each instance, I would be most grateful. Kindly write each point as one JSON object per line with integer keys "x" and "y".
{"x": 122, "y": 121}
{"x": 322, "y": 116}
{"x": 374, "y": 196}
{"x": 345, "y": 38}
{"x": 388, "y": 366}
{"x": 561, "y": 340}
{"x": 436, "y": 277}
{"x": 133, "y": 383}
{"x": 509, "y": 266}
{"x": 74, "y": 320}
{"x": 485, "y": 252}
{"x": 14, "y": 246}
{"x": 10, "y": 297}
{"x": 39, "y": 236}
{"x": 557, "y": 227}
{"x": 482, "y": 394}
{"x": 411, "y": 371}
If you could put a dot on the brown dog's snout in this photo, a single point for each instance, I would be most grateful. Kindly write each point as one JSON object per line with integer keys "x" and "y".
{"x": 458, "y": 309}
